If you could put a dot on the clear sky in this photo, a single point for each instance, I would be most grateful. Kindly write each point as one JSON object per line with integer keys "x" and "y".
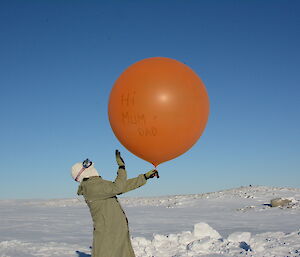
{"x": 60, "y": 59}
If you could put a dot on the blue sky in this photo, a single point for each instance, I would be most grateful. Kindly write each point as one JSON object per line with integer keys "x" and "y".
{"x": 59, "y": 60}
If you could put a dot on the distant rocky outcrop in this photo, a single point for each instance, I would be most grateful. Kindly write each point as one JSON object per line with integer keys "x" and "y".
{"x": 280, "y": 202}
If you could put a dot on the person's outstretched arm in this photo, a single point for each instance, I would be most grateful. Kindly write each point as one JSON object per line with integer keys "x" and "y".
{"x": 134, "y": 183}
{"x": 139, "y": 181}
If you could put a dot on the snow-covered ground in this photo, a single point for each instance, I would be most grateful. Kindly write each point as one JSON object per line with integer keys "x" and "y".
{"x": 234, "y": 222}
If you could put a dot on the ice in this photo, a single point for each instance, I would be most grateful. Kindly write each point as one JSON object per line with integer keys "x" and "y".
{"x": 203, "y": 230}
{"x": 238, "y": 237}
{"x": 185, "y": 237}
{"x": 233, "y": 222}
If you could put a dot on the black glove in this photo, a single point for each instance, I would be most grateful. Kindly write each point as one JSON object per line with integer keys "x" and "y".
{"x": 151, "y": 174}
{"x": 119, "y": 160}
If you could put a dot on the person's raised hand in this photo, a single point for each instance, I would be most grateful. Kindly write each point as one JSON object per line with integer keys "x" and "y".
{"x": 119, "y": 159}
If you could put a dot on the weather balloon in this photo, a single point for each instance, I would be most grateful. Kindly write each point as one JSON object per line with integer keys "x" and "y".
{"x": 158, "y": 109}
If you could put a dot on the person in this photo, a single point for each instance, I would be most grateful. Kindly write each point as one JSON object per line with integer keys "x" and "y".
{"x": 111, "y": 236}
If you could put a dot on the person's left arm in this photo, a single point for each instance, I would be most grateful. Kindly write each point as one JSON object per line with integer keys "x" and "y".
{"x": 139, "y": 181}
{"x": 134, "y": 183}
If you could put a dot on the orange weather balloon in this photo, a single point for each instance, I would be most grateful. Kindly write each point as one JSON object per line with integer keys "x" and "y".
{"x": 158, "y": 109}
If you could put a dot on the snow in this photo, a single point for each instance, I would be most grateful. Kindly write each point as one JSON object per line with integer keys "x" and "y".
{"x": 238, "y": 237}
{"x": 234, "y": 222}
{"x": 203, "y": 230}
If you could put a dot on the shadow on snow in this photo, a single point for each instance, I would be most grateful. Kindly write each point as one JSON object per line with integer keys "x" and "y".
{"x": 82, "y": 254}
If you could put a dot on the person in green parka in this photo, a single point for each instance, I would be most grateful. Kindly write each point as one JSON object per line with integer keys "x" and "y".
{"x": 111, "y": 233}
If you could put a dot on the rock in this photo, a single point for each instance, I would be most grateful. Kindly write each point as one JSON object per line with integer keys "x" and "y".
{"x": 280, "y": 202}
{"x": 245, "y": 246}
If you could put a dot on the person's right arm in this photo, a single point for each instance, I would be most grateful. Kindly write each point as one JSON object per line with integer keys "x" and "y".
{"x": 111, "y": 189}
{"x": 118, "y": 186}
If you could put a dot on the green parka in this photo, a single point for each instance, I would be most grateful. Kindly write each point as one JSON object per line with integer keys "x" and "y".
{"x": 111, "y": 234}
